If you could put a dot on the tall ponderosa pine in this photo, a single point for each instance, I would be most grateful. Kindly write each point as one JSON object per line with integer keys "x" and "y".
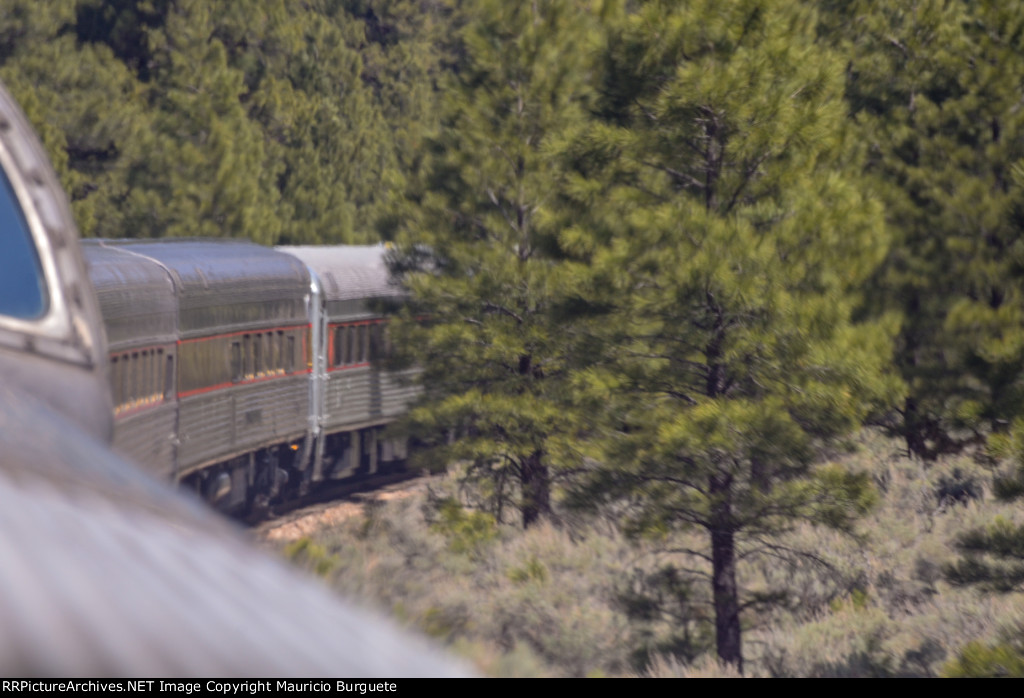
{"x": 475, "y": 258}
{"x": 731, "y": 245}
{"x": 935, "y": 93}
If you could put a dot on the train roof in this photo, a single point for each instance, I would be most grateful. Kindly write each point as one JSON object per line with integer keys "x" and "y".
{"x": 136, "y": 294}
{"x": 348, "y": 272}
{"x": 229, "y": 285}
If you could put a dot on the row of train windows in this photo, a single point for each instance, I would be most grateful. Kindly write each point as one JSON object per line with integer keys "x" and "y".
{"x": 358, "y": 344}
{"x": 262, "y": 354}
{"x": 140, "y": 378}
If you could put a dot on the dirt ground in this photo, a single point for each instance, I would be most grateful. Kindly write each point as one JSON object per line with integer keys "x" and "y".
{"x": 307, "y": 521}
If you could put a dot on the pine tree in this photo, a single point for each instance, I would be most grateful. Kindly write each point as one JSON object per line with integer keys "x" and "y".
{"x": 204, "y": 173}
{"x": 406, "y": 46}
{"x": 306, "y": 91}
{"x": 86, "y": 104}
{"x": 475, "y": 258}
{"x": 191, "y": 118}
{"x": 935, "y": 93}
{"x": 730, "y": 241}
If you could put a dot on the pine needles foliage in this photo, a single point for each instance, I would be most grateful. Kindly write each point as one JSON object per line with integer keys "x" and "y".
{"x": 729, "y": 246}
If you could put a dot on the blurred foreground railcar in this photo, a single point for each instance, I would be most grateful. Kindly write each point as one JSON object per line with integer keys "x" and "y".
{"x": 104, "y": 569}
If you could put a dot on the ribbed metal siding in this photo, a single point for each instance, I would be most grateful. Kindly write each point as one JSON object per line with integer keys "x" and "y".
{"x": 230, "y": 421}
{"x": 147, "y": 438}
{"x": 397, "y": 391}
{"x": 348, "y": 272}
{"x": 350, "y": 398}
{"x": 227, "y": 286}
{"x": 136, "y": 296}
{"x": 352, "y": 278}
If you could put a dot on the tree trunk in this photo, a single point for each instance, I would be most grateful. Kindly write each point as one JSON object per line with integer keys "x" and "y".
{"x": 536, "y": 489}
{"x": 723, "y": 571}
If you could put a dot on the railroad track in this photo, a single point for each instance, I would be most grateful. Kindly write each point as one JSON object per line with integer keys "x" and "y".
{"x": 352, "y": 489}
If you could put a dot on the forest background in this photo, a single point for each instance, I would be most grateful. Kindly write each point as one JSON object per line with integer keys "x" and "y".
{"x": 672, "y": 265}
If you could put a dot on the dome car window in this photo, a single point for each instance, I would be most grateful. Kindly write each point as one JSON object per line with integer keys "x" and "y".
{"x": 22, "y": 288}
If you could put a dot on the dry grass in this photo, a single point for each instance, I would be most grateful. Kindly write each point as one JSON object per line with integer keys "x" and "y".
{"x": 581, "y": 600}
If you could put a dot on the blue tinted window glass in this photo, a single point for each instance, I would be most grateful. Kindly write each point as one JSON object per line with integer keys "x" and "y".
{"x": 22, "y": 290}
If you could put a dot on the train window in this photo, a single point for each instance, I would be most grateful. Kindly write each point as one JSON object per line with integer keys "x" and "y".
{"x": 143, "y": 395}
{"x": 376, "y": 342}
{"x": 362, "y": 344}
{"x": 22, "y": 287}
{"x": 169, "y": 378}
{"x": 115, "y": 380}
{"x": 133, "y": 380}
{"x": 236, "y": 362}
{"x": 257, "y": 355}
{"x": 339, "y": 346}
{"x": 136, "y": 379}
{"x": 129, "y": 380}
{"x": 122, "y": 379}
{"x": 152, "y": 377}
{"x": 247, "y": 356}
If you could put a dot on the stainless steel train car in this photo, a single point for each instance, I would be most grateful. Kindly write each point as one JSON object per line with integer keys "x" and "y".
{"x": 142, "y": 331}
{"x": 355, "y": 398}
{"x": 223, "y": 403}
{"x": 104, "y": 569}
{"x": 248, "y": 373}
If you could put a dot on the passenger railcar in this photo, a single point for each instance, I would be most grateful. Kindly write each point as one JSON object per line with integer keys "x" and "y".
{"x": 229, "y": 359}
{"x": 137, "y": 299}
{"x": 249, "y": 373}
{"x": 356, "y": 397}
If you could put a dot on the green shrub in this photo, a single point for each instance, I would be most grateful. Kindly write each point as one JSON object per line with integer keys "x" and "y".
{"x": 977, "y": 660}
{"x": 467, "y": 531}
